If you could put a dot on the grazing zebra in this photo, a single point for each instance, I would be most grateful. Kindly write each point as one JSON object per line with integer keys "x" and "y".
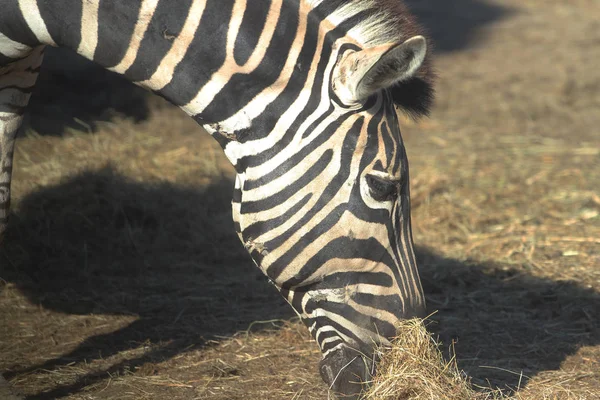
{"x": 302, "y": 96}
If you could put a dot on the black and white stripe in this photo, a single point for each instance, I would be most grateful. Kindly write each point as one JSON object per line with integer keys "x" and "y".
{"x": 301, "y": 94}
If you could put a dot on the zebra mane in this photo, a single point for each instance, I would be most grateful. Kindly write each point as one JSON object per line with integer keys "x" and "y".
{"x": 389, "y": 21}
{"x": 414, "y": 96}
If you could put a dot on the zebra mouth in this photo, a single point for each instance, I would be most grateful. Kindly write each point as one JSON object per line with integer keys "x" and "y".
{"x": 345, "y": 371}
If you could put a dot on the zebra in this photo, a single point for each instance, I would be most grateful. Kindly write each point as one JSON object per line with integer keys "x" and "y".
{"x": 302, "y": 95}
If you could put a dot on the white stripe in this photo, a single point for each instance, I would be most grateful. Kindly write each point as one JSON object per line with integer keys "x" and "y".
{"x": 230, "y": 67}
{"x": 9, "y": 115}
{"x": 31, "y": 13}
{"x": 236, "y": 150}
{"x": 164, "y": 72}
{"x": 325, "y": 354}
{"x": 145, "y": 16}
{"x": 328, "y": 328}
{"x": 329, "y": 340}
{"x": 12, "y": 49}
{"x": 89, "y": 29}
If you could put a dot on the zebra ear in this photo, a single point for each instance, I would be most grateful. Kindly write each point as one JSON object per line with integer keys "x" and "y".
{"x": 363, "y": 73}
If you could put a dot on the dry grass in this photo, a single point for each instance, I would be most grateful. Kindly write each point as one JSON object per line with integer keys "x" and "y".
{"x": 414, "y": 368}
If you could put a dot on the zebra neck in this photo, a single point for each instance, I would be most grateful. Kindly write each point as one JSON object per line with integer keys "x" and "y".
{"x": 235, "y": 66}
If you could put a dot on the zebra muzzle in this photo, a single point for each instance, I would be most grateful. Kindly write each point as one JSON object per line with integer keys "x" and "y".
{"x": 345, "y": 371}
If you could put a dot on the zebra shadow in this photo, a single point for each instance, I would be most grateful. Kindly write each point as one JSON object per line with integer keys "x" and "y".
{"x": 74, "y": 94}
{"x": 507, "y": 326}
{"x": 102, "y": 244}
{"x": 456, "y": 25}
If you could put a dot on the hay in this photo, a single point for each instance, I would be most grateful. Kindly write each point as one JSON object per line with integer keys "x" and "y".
{"x": 414, "y": 368}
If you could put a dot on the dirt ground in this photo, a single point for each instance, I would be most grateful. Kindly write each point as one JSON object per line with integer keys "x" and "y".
{"x": 122, "y": 277}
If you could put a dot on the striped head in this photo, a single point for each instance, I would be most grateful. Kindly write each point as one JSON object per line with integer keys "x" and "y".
{"x": 325, "y": 211}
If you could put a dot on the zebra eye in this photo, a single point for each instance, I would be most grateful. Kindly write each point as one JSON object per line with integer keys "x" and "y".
{"x": 381, "y": 189}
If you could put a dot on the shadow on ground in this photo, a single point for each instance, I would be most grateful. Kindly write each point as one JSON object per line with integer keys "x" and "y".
{"x": 456, "y": 25}
{"x": 72, "y": 93}
{"x": 505, "y": 322}
{"x": 100, "y": 243}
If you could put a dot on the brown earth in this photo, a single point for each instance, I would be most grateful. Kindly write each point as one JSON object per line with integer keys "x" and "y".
{"x": 122, "y": 278}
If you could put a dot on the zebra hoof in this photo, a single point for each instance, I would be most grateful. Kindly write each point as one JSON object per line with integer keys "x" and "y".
{"x": 345, "y": 371}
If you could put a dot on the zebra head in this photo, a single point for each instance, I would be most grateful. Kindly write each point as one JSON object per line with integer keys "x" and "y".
{"x": 325, "y": 210}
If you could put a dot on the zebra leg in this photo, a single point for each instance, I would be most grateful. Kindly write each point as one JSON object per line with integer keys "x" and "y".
{"x": 17, "y": 79}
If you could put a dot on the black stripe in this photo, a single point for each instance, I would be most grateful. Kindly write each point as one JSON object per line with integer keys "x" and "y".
{"x": 12, "y": 108}
{"x": 411, "y": 263}
{"x": 402, "y": 220}
{"x": 250, "y": 207}
{"x": 327, "y": 7}
{"x": 4, "y": 60}
{"x": 371, "y": 149}
{"x": 342, "y": 248}
{"x": 261, "y": 227}
{"x": 242, "y": 88}
{"x": 338, "y": 280}
{"x": 167, "y": 21}
{"x": 208, "y": 50}
{"x": 295, "y": 159}
{"x": 296, "y": 301}
{"x": 263, "y": 125}
{"x": 285, "y": 260}
{"x": 116, "y": 23}
{"x": 237, "y": 195}
{"x": 63, "y": 21}
{"x": 221, "y": 139}
{"x": 348, "y": 313}
{"x": 289, "y": 95}
{"x": 394, "y": 236}
{"x": 252, "y": 25}
{"x": 389, "y": 303}
{"x": 14, "y": 26}
{"x": 369, "y": 322}
{"x": 363, "y": 212}
{"x": 388, "y": 143}
{"x": 324, "y": 321}
{"x": 348, "y": 148}
{"x": 329, "y": 345}
{"x": 393, "y": 132}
